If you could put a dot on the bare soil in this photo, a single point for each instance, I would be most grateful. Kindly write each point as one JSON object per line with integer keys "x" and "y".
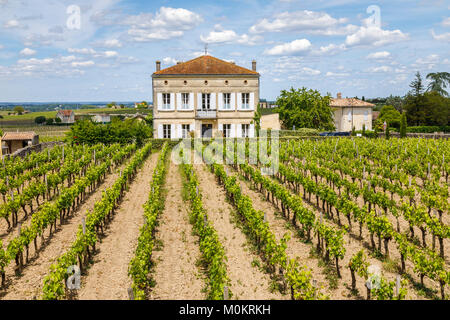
{"x": 176, "y": 273}
{"x": 248, "y": 281}
{"x": 107, "y": 279}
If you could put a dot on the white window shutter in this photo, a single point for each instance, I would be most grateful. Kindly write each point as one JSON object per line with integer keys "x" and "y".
{"x": 160, "y": 131}
{"x": 221, "y": 127}
{"x": 349, "y": 115}
{"x": 233, "y": 131}
{"x": 220, "y": 101}
{"x": 172, "y": 131}
{"x": 179, "y": 133}
{"x": 179, "y": 102}
{"x": 239, "y": 131}
{"x": 159, "y": 100}
{"x": 239, "y": 101}
{"x": 252, "y": 101}
{"x": 251, "y": 133}
{"x": 191, "y": 101}
{"x": 172, "y": 101}
{"x": 233, "y": 101}
{"x": 199, "y": 101}
{"x": 213, "y": 101}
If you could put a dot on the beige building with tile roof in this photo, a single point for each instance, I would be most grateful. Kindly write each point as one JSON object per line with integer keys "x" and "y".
{"x": 206, "y": 96}
{"x": 13, "y": 141}
{"x": 351, "y": 112}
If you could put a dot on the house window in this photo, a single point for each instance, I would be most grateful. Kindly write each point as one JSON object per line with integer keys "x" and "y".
{"x": 167, "y": 132}
{"x": 245, "y": 130}
{"x": 246, "y": 101}
{"x": 227, "y": 130}
{"x": 185, "y": 129}
{"x": 227, "y": 100}
{"x": 206, "y": 101}
{"x": 185, "y": 101}
{"x": 166, "y": 101}
{"x": 366, "y": 115}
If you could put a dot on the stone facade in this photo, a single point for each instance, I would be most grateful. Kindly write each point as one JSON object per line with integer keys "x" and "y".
{"x": 202, "y": 94}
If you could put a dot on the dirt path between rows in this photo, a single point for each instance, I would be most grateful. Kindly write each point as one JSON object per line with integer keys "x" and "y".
{"x": 247, "y": 282}
{"x": 176, "y": 275}
{"x": 29, "y": 284}
{"x": 107, "y": 279}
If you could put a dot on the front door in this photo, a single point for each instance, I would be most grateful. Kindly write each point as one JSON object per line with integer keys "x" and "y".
{"x": 206, "y": 130}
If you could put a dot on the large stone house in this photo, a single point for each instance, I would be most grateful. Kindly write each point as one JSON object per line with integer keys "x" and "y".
{"x": 66, "y": 116}
{"x": 351, "y": 112}
{"x": 207, "y": 96}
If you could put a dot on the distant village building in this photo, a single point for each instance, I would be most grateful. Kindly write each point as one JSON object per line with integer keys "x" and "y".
{"x": 351, "y": 112}
{"x": 66, "y": 116}
{"x": 205, "y": 95}
{"x": 13, "y": 141}
{"x": 101, "y": 118}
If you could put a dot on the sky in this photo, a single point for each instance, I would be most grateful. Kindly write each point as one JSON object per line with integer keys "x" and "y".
{"x": 105, "y": 50}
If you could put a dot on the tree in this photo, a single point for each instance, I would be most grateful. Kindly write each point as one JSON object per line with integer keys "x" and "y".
{"x": 58, "y": 120}
{"x": 19, "y": 110}
{"x": 364, "y": 130}
{"x": 403, "y": 125}
{"x": 305, "y": 108}
{"x": 388, "y": 132}
{"x": 49, "y": 121}
{"x": 40, "y": 120}
{"x": 353, "y": 131}
{"x": 417, "y": 85}
{"x": 390, "y": 115}
{"x": 439, "y": 82}
{"x": 396, "y": 101}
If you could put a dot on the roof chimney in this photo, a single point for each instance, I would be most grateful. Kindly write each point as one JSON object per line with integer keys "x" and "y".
{"x": 339, "y": 95}
{"x": 254, "y": 65}
{"x": 158, "y": 66}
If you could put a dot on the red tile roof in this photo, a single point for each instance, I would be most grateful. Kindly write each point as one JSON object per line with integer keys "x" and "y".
{"x": 10, "y": 136}
{"x": 66, "y": 113}
{"x": 206, "y": 65}
{"x": 350, "y": 102}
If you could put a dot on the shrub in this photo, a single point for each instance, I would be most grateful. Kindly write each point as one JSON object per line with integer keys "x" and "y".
{"x": 40, "y": 120}
{"x": 49, "y": 121}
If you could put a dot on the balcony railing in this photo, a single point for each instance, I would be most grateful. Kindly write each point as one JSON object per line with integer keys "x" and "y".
{"x": 206, "y": 114}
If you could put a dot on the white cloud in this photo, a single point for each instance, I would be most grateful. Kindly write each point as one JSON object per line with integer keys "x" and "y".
{"x": 446, "y": 22}
{"x": 110, "y": 43}
{"x": 318, "y": 23}
{"x": 331, "y": 49}
{"x": 441, "y": 37}
{"x": 169, "y": 61}
{"x": 381, "y": 69}
{"x": 310, "y": 71}
{"x": 82, "y": 51}
{"x": 379, "y": 55}
{"x": 83, "y": 64}
{"x": 27, "y": 52}
{"x": 428, "y": 62}
{"x": 220, "y": 35}
{"x": 337, "y": 74}
{"x": 295, "y": 47}
{"x": 11, "y": 24}
{"x": 374, "y": 36}
{"x": 166, "y": 24}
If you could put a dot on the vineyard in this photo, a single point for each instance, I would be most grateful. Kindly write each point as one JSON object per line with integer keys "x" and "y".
{"x": 340, "y": 219}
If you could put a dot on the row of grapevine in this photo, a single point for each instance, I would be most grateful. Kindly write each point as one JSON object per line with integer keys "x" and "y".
{"x": 141, "y": 263}
{"x": 213, "y": 254}
{"x": 87, "y": 236}
{"x": 426, "y": 262}
{"x": 47, "y": 216}
{"x": 298, "y": 278}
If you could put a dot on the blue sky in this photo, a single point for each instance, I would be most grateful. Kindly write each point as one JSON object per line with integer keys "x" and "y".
{"x": 107, "y": 52}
